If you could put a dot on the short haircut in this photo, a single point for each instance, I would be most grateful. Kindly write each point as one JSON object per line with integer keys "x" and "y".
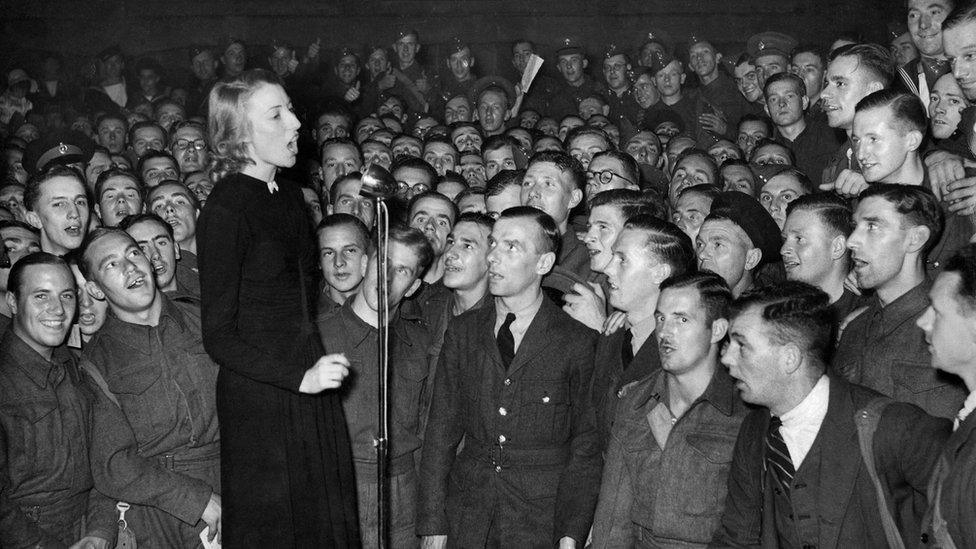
{"x": 873, "y": 58}
{"x": 16, "y": 277}
{"x": 333, "y": 108}
{"x": 192, "y": 196}
{"x": 630, "y": 166}
{"x": 917, "y": 204}
{"x": 908, "y": 113}
{"x": 960, "y": 15}
{"x": 478, "y": 218}
{"x": 334, "y": 191}
{"x": 703, "y": 154}
{"x": 153, "y": 154}
{"x": 81, "y": 254}
{"x": 436, "y": 196}
{"x": 190, "y": 123}
{"x": 470, "y": 191}
{"x": 147, "y": 124}
{"x": 792, "y": 171}
{"x": 502, "y": 180}
{"x": 564, "y": 162}
{"x": 417, "y": 164}
{"x": 16, "y": 224}
{"x": 798, "y": 85}
{"x": 117, "y": 172}
{"x": 713, "y": 292}
{"x": 32, "y": 190}
{"x": 797, "y": 313}
{"x": 548, "y": 238}
{"x": 333, "y": 221}
{"x": 770, "y": 142}
{"x": 756, "y": 118}
{"x": 581, "y": 131}
{"x": 111, "y": 115}
{"x": 345, "y": 141}
{"x": 413, "y": 239}
{"x": 134, "y": 219}
{"x": 497, "y": 142}
{"x": 628, "y": 202}
{"x": 813, "y": 49}
{"x": 963, "y": 263}
{"x": 709, "y": 191}
{"x": 833, "y": 211}
{"x": 666, "y": 241}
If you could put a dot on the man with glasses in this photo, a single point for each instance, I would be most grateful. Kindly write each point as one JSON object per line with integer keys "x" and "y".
{"x": 188, "y": 143}
{"x": 413, "y": 176}
{"x": 611, "y": 170}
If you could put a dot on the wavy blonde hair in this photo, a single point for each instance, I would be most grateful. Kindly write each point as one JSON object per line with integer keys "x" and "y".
{"x": 228, "y": 124}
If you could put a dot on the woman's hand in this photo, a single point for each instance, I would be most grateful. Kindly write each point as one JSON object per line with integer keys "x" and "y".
{"x": 327, "y": 373}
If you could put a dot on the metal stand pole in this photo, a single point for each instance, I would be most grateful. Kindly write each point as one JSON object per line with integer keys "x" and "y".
{"x": 383, "y": 435}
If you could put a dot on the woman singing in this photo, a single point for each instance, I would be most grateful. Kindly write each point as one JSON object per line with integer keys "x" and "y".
{"x": 287, "y": 478}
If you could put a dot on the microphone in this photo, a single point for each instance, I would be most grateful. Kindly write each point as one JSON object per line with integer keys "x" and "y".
{"x": 378, "y": 183}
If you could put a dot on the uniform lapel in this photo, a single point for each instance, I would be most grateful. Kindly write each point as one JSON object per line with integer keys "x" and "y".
{"x": 840, "y": 461}
{"x": 536, "y": 338}
{"x": 486, "y": 319}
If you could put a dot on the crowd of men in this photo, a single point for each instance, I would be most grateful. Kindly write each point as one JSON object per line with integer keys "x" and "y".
{"x": 696, "y": 300}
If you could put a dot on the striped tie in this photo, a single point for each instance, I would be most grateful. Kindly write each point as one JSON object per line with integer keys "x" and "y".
{"x": 778, "y": 455}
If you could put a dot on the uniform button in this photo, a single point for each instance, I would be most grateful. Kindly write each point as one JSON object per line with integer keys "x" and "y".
{"x": 498, "y": 468}
{"x": 545, "y": 400}
{"x": 501, "y": 438}
{"x": 508, "y": 382}
{"x": 620, "y": 393}
{"x": 925, "y": 538}
{"x": 502, "y": 411}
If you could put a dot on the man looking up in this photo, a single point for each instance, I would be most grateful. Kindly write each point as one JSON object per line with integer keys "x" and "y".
{"x": 525, "y": 400}
{"x": 433, "y": 214}
{"x": 150, "y": 358}
{"x": 57, "y": 204}
{"x": 553, "y": 183}
{"x": 352, "y": 330}
{"x": 896, "y": 226}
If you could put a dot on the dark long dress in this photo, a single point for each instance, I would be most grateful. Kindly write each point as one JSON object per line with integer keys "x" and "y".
{"x": 287, "y": 477}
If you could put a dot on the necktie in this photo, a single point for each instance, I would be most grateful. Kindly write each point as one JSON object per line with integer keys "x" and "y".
{"x": 506, "y": 341}
{"x": 627, "y": 349}
{"x": 778, "y": 455}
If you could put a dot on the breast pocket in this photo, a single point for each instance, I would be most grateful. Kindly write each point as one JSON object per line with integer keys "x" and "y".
{"x": 546, "y": 411}
{"x": 147, "y": 399}
{"x": 710, "y": 459}
{"x": 926, "y": 387}
{"x": 34, "y": 432}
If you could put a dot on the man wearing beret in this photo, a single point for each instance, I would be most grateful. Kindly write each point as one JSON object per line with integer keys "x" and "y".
{"x": 575, "y": 84}
{"x": 736, "y": 239}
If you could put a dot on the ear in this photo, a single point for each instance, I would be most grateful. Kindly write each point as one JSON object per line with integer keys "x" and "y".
{"x": 917, "y": 237}
{"x": 33, "y": 219}
{"x": 766, "y": 110}
{"x": 413, "y": 287}
{"x": 720, "y": 327}
{"x": 753, "y": 257}
{"x": 93, "y": 290}
{"x": 605, "y": 110}
{"x": 586, "y": 63}
{"x": 176, "y": 248}
{"x": 659, "y": 273}
{"x": 718, "y": 57}
{"x": 805, "y": 102}
{"x": 838, "y": 247}
{"x": 682, "y": 79}
{"x": 546, "y": 262}
{"x": 914, "y": 140}
{"x": 98, "y": 211}
{"x": 364, "y": 264}
{"x": 875, "y": 86}
{"x": 471, "y": 63}
{"x": 11, "y": 301}
{"x": 447, "y": 63}
{"x": 574, "y": 198}
{"x": 790, "y": 358}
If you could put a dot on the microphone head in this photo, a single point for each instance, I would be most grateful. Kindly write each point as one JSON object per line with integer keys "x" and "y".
{"x": 378, "y": 183}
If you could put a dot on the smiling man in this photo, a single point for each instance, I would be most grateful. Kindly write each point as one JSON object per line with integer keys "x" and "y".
{"x": 919, "y": 75}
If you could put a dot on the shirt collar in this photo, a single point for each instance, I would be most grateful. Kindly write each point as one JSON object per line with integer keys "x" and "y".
{"x": 905, "y": 306}
{"x": 967, "y": 408}
{"x": 39, "y": 370}
{"x": 529, "y": 311}
{"x": 131, "y": 334}
{"x": 272, "y": 187}
{"x": 812, "y": 407}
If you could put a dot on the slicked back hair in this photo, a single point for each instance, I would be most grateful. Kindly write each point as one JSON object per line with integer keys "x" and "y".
{"x": 32, "y": 190}
{"x": 564, "y": 162}
{"x": 333, "y": 221}
{"x": 795, "y": 312}
{"x": 963, "y": 263}
{"x": 628, "y": 202}
{"x": 548, "y": 237}
{"x": 666, "y": 241}
{"x": 908, "y": 113}
{"x": 917, "y": 204}
{"x": 874, "y": 58}
{"x": 833, "y": 211}
{"x": 713, "y": 292}
{"x": 16, "y": 277}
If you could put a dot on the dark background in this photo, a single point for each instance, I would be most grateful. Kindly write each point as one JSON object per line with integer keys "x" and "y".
{"x": 78, "y": 29}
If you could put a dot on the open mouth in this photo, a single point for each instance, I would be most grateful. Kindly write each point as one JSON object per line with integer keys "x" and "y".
{"x": 73, "y": 230}
{"x": 790, "y": 265}
{"x": 137, "y": 282}
{"x": 86, "y": 319}
{"x": 53, "y": 324}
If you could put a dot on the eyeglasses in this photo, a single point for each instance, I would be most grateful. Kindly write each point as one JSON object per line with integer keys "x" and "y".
{"x": 183, "y": 144}
{"x": 604, "y": 176}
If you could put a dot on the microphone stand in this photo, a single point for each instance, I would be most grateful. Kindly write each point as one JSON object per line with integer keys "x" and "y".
{"x": 379, "y": 185}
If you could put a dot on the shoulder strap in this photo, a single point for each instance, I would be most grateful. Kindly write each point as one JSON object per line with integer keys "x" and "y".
{"x": 866, "y": 420}
{"x": 96, "y": 376}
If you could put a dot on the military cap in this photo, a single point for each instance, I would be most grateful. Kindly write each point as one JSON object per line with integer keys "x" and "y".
{"x": 65, "y": 147}
{"x": 770, "y": 43}
{"x": 569, "y": 46}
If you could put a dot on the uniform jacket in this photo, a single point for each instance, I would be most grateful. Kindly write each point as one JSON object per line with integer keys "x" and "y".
{"x": 907, "y": 443}
{"x": 611, "y": 382}
{"x": 530, "y": 466}
{"x": 956, "y": 476}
